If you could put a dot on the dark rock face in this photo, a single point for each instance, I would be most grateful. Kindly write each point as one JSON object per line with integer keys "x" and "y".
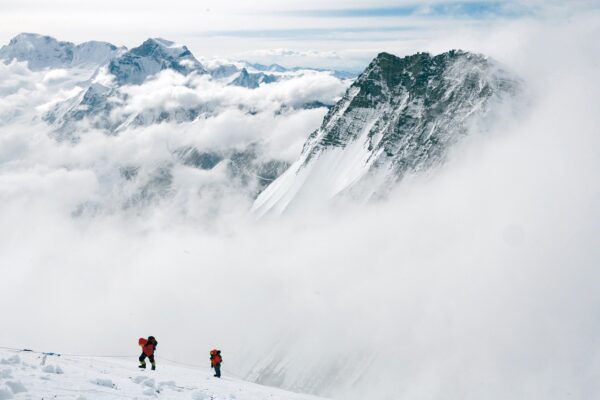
{"x": 399, "y": 115}
{"x": 418, "y": 105}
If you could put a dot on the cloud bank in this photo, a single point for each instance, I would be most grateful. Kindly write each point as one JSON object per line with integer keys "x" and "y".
{"x": 478, "y": 281}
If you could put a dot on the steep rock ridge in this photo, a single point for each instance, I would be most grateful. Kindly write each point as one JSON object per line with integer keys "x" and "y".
{"x": 42, "y": 52}
{"x": 400, "y": 115}
{"x": 93, "y": 103}
{"x": 151, "y": 57}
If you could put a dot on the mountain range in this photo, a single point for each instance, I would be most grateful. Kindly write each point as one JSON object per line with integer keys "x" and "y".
{"x": 401, "y": 115}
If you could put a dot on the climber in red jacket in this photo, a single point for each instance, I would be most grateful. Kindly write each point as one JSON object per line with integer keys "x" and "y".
{"x": 215, "y": 361}
{"x": 148, "y": 347}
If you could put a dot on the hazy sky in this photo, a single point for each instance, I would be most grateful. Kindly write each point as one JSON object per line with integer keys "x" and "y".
{"x": 342, "y": 34}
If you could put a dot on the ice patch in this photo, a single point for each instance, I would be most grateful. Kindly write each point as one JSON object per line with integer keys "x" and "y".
{"x": 172, "y": 385}
{"x": 14, "y": 360}
{"x": 5, "y": 394}
{"x": 201, "y": 396}
{"x": 6, "y": 373}
{"x": 16, "y": 387}
{"x": 149, "y": 382}
{"x": 149, "y": 392}
{"x": 104, "y": 382}
{"x": 53, "y": 369}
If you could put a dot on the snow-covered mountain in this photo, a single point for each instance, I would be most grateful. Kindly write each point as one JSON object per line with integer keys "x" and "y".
{"x": 103, "y": 99}
{"x": 151, "y": 57}
{"x": 252, "y": 80}
{"x": 400, "y": 115}
{"x": 74, "y": 93}
{"x": 267, "y": 68}
{"x": 32, "y": 375}
{"x": 41, "y": 52}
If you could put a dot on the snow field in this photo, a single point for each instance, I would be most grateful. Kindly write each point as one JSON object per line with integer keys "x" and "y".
{"x": 30, "y": 375}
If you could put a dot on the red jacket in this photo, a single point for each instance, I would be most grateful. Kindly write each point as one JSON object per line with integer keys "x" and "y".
{"x": 215, "y": 358}
{"x": 147, "y": 347}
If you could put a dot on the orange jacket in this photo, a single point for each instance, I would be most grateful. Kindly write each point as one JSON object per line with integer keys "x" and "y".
{"x": 147, "y": 347}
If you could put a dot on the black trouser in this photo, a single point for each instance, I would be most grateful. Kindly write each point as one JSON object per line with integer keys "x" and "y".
{"x": 143, "y": 358}
{"x": 217, "y": 368}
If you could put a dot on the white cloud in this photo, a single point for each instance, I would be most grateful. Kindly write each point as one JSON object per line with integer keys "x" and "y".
{"x": 55, "y": 75}
{"x": 476, "y": 282}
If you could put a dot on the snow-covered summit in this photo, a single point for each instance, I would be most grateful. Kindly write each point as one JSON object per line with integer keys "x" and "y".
{"x": 151, "y": 57}
{"x": 30, "y": 375}
{"x": 42, "y": 52}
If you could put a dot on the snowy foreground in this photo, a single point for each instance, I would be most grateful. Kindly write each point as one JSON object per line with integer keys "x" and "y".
{"x": 28, "y": 375}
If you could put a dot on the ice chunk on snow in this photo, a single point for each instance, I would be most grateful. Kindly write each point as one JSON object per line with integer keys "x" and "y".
{"x": 200, "y": 396}
{"x": 14, "y": 360}
{"x": 5, "y": 394}
{"x": 16, "y": 387}
{"x": 53, "y": 369}
{"x": 149, "y": 382}
{"x": 104, "y": 382}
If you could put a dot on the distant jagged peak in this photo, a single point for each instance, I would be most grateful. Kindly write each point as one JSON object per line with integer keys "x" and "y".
{"x": 164, "y": 48}
{"x": 31, "y": 38}
{"x": 152, "y": 56}
{"x": 252, "y": 80}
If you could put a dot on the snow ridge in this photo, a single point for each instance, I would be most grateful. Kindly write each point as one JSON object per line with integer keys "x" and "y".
{"x": 27, "y": 374}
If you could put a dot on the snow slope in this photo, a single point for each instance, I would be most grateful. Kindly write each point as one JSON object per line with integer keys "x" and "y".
{"x": 32, "y": 375}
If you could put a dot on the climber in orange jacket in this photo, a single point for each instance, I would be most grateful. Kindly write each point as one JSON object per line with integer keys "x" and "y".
{"x": 215, "y": 361}
{"x": 148, "y": 346}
